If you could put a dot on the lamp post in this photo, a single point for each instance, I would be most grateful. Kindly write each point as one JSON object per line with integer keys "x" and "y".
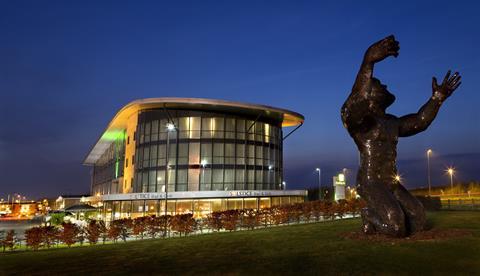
{"x": 284, "y": 185}
{"x": 170, "y": 127}
{"x": 429, "y": 152}
{"x": 319, "y": 183}
{"x": 203, "y": 164}
{"x": 451, "y": 171}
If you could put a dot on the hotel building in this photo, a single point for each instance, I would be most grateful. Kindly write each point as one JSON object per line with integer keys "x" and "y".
{"x": 201, "y": 155}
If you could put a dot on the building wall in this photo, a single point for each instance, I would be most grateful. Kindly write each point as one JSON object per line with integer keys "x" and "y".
{"x": 130, "y": 153}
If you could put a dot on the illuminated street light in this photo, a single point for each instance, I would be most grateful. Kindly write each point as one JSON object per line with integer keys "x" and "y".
{"x": 398, "y": 178}
{"x": 451, "y": 172}
{"x": 170, "y": 127}
{"x": 284, "y": 185}
{"x": 319, "y": 183}
{"x": 429, "y": 152}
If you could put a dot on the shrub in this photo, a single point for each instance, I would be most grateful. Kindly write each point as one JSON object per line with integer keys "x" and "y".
{"x": 33, "y": 237}
{"x": 250, "y": 218}
{"x": 154, "y": 226}
{"x": 183, "y": 224}
{"x": 121, "y": 228}
{"x": 49, "y": 235}
{"x": 230, "y": 219}
{"x": 113, "y": 232}
{"x": 214, "y": 221}
{"x": 103, "y": 231}
{"x": 8, "y": 240}
{"x": 93, "y": 232}
{"x": 69, "y": 233}
{"x": 139, "y": 226}
{"x": 57, "y": 218}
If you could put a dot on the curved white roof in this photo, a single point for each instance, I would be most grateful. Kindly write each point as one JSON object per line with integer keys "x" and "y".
{"x": 119, "y": 122}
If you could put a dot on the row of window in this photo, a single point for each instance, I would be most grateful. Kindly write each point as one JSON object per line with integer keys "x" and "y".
{"x": 207, "y": 179}
{"x": 195, "y": 153}
{"x": 207, "y": 128}
{"x": 198, "y": 207}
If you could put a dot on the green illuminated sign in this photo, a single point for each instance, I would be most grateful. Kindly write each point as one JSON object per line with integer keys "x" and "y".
{"x": 113, "y": 135}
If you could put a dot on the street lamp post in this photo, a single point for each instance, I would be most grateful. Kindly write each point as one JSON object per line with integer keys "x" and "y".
{"x": 203, "y": 164}
{"x": 451, "y": 171}
{"x": 170, "y": 127}
{"x": 429, "y": 152}
{"x": 284, "y": 185}
{"x": 319, "y": 183}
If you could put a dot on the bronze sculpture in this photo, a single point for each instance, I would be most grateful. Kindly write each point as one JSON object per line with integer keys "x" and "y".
{"x": 391, "y": 209}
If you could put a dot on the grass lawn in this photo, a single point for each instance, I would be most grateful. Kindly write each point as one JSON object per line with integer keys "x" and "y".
{"x": 306, "y": 249}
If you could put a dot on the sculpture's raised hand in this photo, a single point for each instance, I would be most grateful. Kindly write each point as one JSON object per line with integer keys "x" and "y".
{"x": 449, "y": 84}
{"x": 382, "y": 49}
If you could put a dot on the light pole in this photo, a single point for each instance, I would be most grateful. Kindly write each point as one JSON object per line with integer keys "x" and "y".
{"x": 203, "y": 164}
{"x": 284, "y": 185}
{"x": 319, "y": 183}
{"x": 451, "y": 171}
{"x": 429, "y": 152}
{"x": 170, "y": 127}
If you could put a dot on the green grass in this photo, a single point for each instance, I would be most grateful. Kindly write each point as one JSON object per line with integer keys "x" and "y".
{"x": 306, "y": 249}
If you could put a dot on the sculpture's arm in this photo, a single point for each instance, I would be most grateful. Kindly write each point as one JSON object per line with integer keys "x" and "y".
{"x": 414, "y": 123}
{"x": 356, "y": 107}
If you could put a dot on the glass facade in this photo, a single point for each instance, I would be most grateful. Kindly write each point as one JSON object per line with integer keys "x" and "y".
{"x": 198, "y": 207}
{"x": 206, "y": 152}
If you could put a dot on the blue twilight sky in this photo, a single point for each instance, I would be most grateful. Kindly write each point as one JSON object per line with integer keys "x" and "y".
{"x": 66, "y": 67}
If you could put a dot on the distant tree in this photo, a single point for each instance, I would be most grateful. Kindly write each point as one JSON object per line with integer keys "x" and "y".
{"x": 154, "y": 226}
{"x": 176, "y": 224}
{"x": 264, "y": 216}
{"x": 183, "y": 224}
{"x": 328, "y": 209}
{"x": 165, "y": 224}
{"x": 33, "y": 237}
{"x": 140, "y": 225}
{"x": 93, "y": 232}
{"x": 113, "y": 232}
{"x": 123, "y": 226}
{"x": 201, "y": 224}
{"x": 279, "y": 214}
{"x": 214, "y": 221}
{"x": 103, "y": 231}
{"x": 307, "y": 210}
{"x": 69, "y": 233}
{"x": 81, "y": 234}
{"x": 342, "y": 208}
{"x": 317, "y": 209}
{"x": 49, "y": 235}
{"x": 2, "y": 239}
{"x": 57, "y": 218}
{"x": 295, "y": 212}
{"x": 230, "y": 219}
{"x": 10, "y": 240}
{"x": 126, "y": 226}
{"x": 250, "y": 218}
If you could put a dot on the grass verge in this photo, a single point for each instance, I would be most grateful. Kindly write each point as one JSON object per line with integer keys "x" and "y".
{"x": 298, "y": 249}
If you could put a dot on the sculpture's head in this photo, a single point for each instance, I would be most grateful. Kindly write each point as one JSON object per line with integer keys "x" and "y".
{"x": 380, "y": 97}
